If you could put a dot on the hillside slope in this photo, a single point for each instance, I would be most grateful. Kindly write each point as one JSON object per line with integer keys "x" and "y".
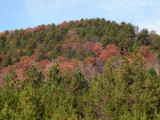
{"x": 80, "y": 70}
{"x": 86, "y": 44}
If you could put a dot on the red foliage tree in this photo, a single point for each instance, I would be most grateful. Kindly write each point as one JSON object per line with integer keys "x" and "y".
{"x": 23, "y": 65}
{"x": 90, "y": 60}
{"x": 62, "y": 59}
{"x": 87, "y": 46}
{"x": 29, "y": 30}
{"x": 87, "y": 69}
{"x": 66, "y": 23}
{"x": 38, "y": 29}
{"x": 110, "y": 51}
{"x": 73, "y": 46}
{"x": 149, "y": 56}
{"x": 97, "y": 48}
{"x": 65, "y": 48}
{"x": 43, "y": 63}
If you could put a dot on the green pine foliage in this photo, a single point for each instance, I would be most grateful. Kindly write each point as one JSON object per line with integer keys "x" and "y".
{"x": 127, "y": 92}
{"x": 70, "y": 54}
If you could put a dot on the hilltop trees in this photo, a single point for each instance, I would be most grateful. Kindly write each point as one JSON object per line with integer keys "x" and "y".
{"x": 51, "y": 38}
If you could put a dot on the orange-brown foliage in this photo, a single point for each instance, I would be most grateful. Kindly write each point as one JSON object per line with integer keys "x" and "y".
{"x": 21, "y": 74}
{"x": 75, "y": 46}
{"x": 71, "y": 66}
{"x": 87, "y": 46}
{"x": 38, "y": 29}
{"x": 149, "y": 56}
{"x": 66, "y": 47}
{"x": 26, "y": 59}
{"x": 87, "y": 69}
{"x": 35, "y": 56}
{"x": 111, "y": 46}
{"x": 48, "y": 53}
{"x": 62, "y": 59}
{"x": 23, "y": 65}
{"x": 110, "y": 51}
{"x": 97, "y": 48}
{"x": 29, "y": 30}
{"x": 72, "y": 35}
{"x": 11, "y": 43}
{"x": 4, "y": 72}
{"x": 18, "y": 51}
{"x": 46, "y": 69}
{"x": 90, "y": 60}
{"x": 66, "y": 23}
{"x": 43, "y": 63}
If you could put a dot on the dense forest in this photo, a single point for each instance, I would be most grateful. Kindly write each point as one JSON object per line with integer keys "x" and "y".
{"x": 80, "y": 70}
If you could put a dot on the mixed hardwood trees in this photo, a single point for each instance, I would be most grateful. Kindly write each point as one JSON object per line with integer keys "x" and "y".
{"x": 88, "y": 69}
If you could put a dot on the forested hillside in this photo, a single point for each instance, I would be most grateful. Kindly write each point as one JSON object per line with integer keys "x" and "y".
{"x": 87, "y": 69}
